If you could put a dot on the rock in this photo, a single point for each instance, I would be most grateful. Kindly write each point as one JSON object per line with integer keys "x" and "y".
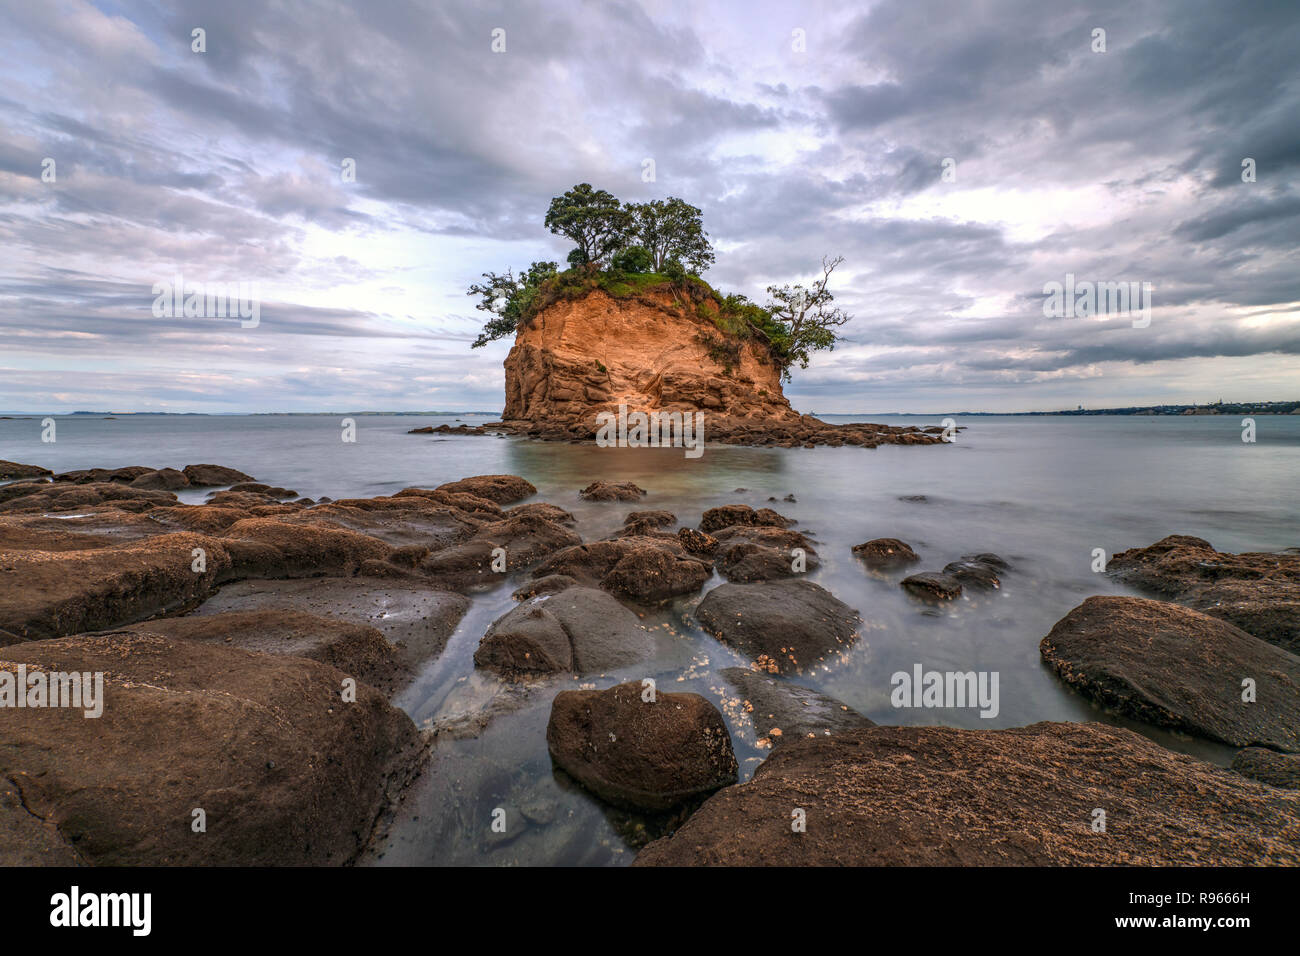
{"x": 763, "y": 553}
{"x": 272, "y": 548}
{"x": 644, "y": 569}
{"x": 260, "y": 488}
{"x": 10, "y": 470}
{"x": 95, "y": 475}
{"x": 611, "y": 491}
{"x": 1258, "y": 592}
{"x": 728, "y": 515}
{"x": 578, "y": 630}
{"x": 643, "y": 754}
{"x": 53, "y": 498}
{"x": 540, "y": 509}
{"x": 502, "y": 489}
{"x": 586, "y": 352}
{"x": 1173, "y": 667}
{"x": 164, "y": 479}
{"x": 935, "y": 796}
{"x": 525, "y": 539}
{"x": 885, "y": 553}
{"x": 285, "y": 772}
{"x": 1268, "y": 766}
{"x": 932, "y": 586}
{"x": 992, "y": 560}
{"x": 550, "y": 584}
{"x": 697, "y": 542}
{"x": 785, "y": 626}
{"x": 358, "y": 650}
{"x": 46, "y": 594}
{"x": 773, "y": 704}
{"x": 974, "y": 574}
{"x": 649, "y": 520}
{"x": 414, "y": 618}
{"x": 214, "y": 476}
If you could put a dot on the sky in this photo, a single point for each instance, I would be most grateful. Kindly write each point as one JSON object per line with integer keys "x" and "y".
{"x": 961, "y": 156}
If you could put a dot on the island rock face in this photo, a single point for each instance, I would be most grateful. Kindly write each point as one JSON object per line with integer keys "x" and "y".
{"x": 581, "y": 357}
{"x": 657, "y": 351}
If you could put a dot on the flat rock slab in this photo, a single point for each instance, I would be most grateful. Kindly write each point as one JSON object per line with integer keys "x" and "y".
{"x": 1173, "y": 667}
{"x": 647, "y": 754}
{"x": 941, "y": 796}
{"x": 358, "y": 650}
{"x": 786, "y": 627}
{"x": 285, "y": 771}
{"x": 781, "y": 711}
{"x": 1258, "y": 592}
{"x": 416, "y": 620}
{"x": 579, "y": 630}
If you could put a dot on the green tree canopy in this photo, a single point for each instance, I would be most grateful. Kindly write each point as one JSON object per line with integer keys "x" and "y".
{"x": 672, "y": 229}
{"x": 595, "y": 220}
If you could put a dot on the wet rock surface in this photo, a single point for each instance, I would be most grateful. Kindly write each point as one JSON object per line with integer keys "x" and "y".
{"x": 1174, "y": 667}
{"x": 641, "y": 750}
{"x": 781, "y": 711}
{"x": 578, "y": 630}
{"x": 11, "y": 470}
{"x": 885, "y": 553}
{"x": 1258, "y": 592}
{"x": 502, "y": 489}
{"x": 611, "y": 491}
{"x": 932, "y": 586}
{"x": 785, "y": 627}
{"x": 940, "y": 796}
{"x": 285, "y": 772}
{"x": 641, "y": 568}
{"x": 763, "y": 553}
{"x": 726, "y": 516}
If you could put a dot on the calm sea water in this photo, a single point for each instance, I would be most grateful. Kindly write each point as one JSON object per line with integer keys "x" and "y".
{"x": 1043, "y": 492}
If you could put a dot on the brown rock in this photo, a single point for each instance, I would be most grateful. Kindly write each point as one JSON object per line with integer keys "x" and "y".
{"x": 1268, "y": 766}
{"x": 774, "y": 704}
{"x": 885, "y": 553}
{"x": 728, "y": 515}
{"x": 10, "y": 470}
{"x": 1258, "y": 592}
{"x": 285, "y": 772}
{"x": 932, "y": 586}
{"x": 164, "y": 479}
{"x": 644, "y": 569}
{"x": 644, "y": 754}
{"x": 213, "y": 476}
{"x": 611, "y": 491}
{"x": 942, "y": 796}
{"x": 786, "y": 627}
{"x": 502, "y": 489}
{"x": 1173, "y": 667}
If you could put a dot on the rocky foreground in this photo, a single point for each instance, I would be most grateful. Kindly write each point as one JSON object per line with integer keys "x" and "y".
{"x": 249, "y": 648}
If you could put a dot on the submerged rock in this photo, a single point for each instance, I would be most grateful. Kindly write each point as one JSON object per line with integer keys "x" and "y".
{"x": 214, "y": 476}
{"x": 942, "y": 796}
{"x": 781, "y": 711}
{"x": 1174, "y": 667}
{"x": 639, "y": 750}
{"x": 284, "y": 771}
{"x": 786, "y": 627}
{"x": 715, "y": 519}
{"x": 932, "y": 586}
{"x": 978, "y": 574}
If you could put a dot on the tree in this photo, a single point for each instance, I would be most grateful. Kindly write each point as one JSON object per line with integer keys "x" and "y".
{"x": 593, "y": 219}
{"x": 802, "y": 320}
{"x": 633, "y": 259}
{"x": 506, "y": 298}
{"x": 671, "y": 229}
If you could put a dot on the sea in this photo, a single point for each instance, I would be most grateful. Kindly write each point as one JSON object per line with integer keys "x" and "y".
{"x": 1043, "y": 492}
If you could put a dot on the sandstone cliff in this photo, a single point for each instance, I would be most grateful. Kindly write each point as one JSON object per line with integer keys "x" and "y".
{"x": 656, "y": 351}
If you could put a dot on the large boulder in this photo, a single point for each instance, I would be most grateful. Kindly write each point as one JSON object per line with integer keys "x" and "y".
{"x": 1258, "y": 592}
{"x": 885, "y": 553}
{"x": 785, "y": 627}
{"x": 164, "y": 479}
{"x": 283, "y": 769}
{"x": 526, "y": 538}
{"x": 761, "y": 553}
{"x": 942, "y": 796}
{"x": 1174, "y": 667}
{"x": 578, "y": 631}
{"x": 641, "y": 750}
